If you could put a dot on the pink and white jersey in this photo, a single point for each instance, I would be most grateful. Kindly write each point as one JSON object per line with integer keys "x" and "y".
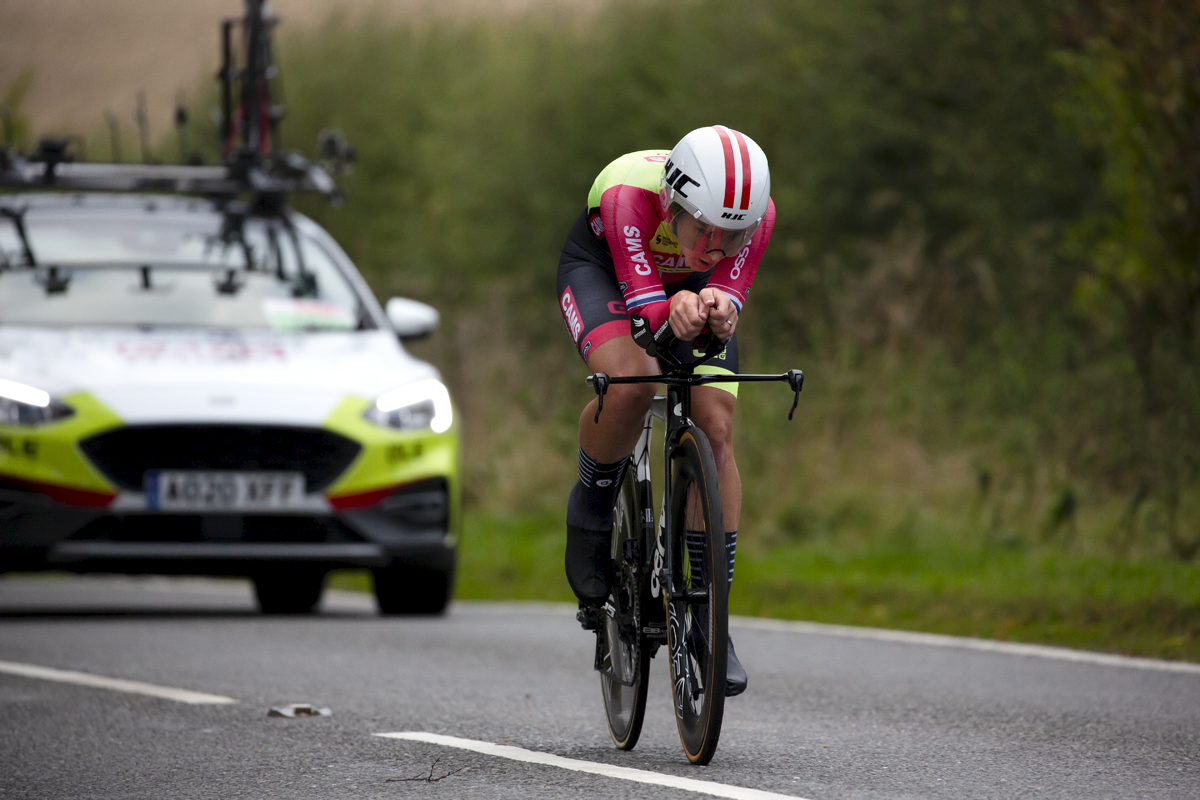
{"x": 624, "y": 208}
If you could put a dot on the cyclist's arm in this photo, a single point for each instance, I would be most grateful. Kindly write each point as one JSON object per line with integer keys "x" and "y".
{"x": 734, "y": 275}
{"x": 630, "y": 216}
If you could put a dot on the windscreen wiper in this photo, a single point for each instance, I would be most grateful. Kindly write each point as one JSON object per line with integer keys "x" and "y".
{"x": 17, "y": 215}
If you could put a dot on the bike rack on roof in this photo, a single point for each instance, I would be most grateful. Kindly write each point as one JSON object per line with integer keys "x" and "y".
{"x": 251, "y": 165}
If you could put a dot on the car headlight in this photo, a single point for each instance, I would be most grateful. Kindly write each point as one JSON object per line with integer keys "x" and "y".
{"x": 24, "y": 405}
{"x": 424, "y": 404}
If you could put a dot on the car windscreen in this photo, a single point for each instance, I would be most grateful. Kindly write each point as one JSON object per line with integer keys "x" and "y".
{"x": 163, "y": 270}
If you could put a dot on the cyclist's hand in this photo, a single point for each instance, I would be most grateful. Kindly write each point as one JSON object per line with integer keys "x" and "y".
{"x": 688, "y": 316}
{"x": 722, "y": 313}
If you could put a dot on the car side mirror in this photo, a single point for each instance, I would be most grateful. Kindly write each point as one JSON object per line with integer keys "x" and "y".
{"x": 411, "y": 318}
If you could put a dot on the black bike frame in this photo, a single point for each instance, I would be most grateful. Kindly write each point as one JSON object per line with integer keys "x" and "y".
{"x": 679, "y": 383}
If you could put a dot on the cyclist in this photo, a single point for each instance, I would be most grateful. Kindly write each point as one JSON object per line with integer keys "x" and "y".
{"x": 667, "y": 238}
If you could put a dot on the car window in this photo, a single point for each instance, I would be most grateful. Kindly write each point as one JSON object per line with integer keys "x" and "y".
{"x": 169, "y": 270}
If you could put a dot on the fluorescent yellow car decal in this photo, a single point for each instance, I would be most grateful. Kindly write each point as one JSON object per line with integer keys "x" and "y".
{"x": 46, "y": 456}
{"x": 390, "y": 458}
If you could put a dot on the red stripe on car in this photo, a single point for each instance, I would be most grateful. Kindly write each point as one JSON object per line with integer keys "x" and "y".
{"x": 346, "y": 502}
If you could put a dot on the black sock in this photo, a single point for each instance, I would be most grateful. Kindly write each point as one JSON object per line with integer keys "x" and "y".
{"x": 590, "y": 505}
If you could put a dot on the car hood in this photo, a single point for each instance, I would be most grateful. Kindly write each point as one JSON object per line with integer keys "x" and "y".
{"x": 210, "y": 376}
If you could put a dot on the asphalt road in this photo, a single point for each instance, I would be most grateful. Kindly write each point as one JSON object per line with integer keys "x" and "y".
{"x": 827, "y": 715}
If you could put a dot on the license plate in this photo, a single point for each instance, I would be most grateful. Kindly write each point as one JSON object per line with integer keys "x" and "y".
{"x": 195, "y": 490}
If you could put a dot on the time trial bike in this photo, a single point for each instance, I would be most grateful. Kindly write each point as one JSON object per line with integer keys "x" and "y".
{"x": 670, "y": 587}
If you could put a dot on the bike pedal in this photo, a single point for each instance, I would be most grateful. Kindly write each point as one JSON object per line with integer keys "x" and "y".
{"x": 590, "y": 618}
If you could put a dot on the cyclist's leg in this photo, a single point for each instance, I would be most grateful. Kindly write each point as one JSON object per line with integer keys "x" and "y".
{"x": 604, "y": 448}
{"x": 594, "y": 311}
{"x": 712, "y": 411}
{"x": 625, "y": 405}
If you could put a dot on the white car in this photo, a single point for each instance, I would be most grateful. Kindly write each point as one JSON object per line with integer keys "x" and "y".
{"x": 190, "y": 388}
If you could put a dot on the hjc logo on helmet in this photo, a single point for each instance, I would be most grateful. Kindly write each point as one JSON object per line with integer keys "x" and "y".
{"x": 727, "y": 215}
{"x": 677, "y": 179}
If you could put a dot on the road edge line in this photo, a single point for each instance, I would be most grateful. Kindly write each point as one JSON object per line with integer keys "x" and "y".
{"x": 1052, "y": 652}
{"x": 964, "y": 643}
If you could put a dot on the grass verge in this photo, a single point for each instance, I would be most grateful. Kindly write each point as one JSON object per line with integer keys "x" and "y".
{"x": 1147, "y": 608}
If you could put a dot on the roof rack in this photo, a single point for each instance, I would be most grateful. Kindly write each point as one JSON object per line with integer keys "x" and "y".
{"x": 248, "y": 131}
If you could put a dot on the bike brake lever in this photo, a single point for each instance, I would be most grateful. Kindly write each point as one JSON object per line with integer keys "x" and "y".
{"x": 796, "y": 381}
{"x": 600, "y": 383}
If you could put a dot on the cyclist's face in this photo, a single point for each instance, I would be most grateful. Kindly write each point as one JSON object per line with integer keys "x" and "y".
{"x": 704, "y": 245}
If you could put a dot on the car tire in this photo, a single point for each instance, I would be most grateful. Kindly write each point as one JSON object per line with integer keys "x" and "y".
{"x": 289, "y": 591}
{"x": 411, "y": 590}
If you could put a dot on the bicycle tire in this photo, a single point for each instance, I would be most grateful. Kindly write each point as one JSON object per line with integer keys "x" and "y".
{"x": 697, "y": 634}
{"x": 625, "y": 701}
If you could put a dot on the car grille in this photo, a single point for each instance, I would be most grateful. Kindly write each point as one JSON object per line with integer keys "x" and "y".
{"x": 126, "y": 454}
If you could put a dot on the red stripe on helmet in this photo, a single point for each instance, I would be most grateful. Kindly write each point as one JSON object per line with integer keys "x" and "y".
{"x": 727, "y": 146}
{"x": 745, "y": 170}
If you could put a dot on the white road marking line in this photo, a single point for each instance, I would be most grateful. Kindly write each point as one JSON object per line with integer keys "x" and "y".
{"x": 116, "y": 684}
{"x": 965, "y": 643}
{"x": 607, "y": 770}
{"x": 885, "y": 635}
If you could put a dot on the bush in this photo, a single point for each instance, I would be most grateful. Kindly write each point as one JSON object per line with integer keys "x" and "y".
{"x": 981, "y": 259}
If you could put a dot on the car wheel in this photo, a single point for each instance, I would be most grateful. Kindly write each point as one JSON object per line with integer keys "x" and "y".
{"x": 289, "y": 591}
{"x": 411, "y": 590}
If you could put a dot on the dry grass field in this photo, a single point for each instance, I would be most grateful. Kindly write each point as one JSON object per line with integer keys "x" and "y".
{"x": 89, "y": 56}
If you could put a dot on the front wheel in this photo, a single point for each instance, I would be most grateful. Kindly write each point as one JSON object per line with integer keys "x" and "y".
{"x": 624, "y": 657}
{"x": 697, "y": 603}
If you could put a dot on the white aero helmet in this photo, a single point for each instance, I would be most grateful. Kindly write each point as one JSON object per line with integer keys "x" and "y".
{"x": 720, "y": 177}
